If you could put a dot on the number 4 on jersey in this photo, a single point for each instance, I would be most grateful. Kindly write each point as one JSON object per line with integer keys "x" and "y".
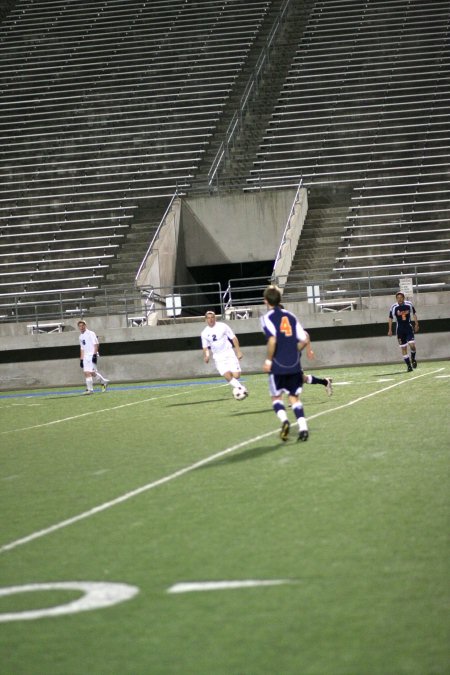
{"x": 285, "y": 327}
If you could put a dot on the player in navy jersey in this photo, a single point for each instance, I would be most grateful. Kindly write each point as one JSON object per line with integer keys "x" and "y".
{"x": 404, "y": 313}
{"x": 286, "y": 338}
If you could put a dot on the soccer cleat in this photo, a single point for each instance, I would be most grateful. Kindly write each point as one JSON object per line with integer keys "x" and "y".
{"x": 284, "y": 433}
{"x": 105, "y": 385}
{"x": 329, "y": 386}
{"x": 303, "y": 435}
{"x": 414, "y": 362}
{"x": 87, "y": 392}
{"x": 410, "y": 369}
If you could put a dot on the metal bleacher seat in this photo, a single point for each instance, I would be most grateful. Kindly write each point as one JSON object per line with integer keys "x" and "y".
{"x": 360, "y": 103}
{"x": 106, "y": 105}
{"x": 368, "y": 109}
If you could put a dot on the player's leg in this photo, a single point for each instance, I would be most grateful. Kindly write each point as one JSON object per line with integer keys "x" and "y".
{"x": 413, "y": 351}
{"x": 327, "y": 382}
{"x": 228, "y": 366}
{"x": 297, "y": 408}
{"x": 98, "y": 377}
{"x": 276, "y": 394}
{"x": 89, "y": 372}
{"x": 231, "y": 378}
{"x": 89, "y": 382}
{"x": 404, "y": 349}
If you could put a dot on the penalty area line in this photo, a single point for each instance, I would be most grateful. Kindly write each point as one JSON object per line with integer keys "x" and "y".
{"x": 182, "y": 472}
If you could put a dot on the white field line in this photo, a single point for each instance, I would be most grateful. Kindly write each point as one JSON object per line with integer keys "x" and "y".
{"x": 105, "y": 410}
{"x": 182, "y": 472}
{"x": 192, "y": 586}
{"x": 374, "y": 393}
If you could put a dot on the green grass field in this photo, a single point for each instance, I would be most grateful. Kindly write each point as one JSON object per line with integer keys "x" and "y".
{"x": 177, "y": 482}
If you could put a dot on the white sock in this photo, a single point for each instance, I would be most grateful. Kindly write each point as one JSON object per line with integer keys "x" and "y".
{"x": 89, "y": 384}
{"x": 302, "y": 426}
{"x": 100, "y": 377}
{"x": 234, "y": 382}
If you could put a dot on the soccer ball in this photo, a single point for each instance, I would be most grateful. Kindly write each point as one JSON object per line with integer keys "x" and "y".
{"x": 240, "y": 393}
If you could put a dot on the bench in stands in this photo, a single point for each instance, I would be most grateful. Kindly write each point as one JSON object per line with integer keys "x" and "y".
{"x": 56, "y": 327}
{"x": 232, "y": 313}
{"x": 137, "y": 321}
{"x": 337, "y": 305}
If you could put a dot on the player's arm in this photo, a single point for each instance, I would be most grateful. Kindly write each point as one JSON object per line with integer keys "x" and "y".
{"x": 237, "y": 347}
{"x": 271, "y": 346}
{"x": 306, "y": 344}
{"x": 416, "y": 321}
{"x": 205, "y": 348}
{"x": 390, "y": 325}
{"x": 96, "y": 352}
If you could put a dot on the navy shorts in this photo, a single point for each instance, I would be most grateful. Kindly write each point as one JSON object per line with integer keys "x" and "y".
{"x": 290, "y": 383}
{"x": 405, "y": 335}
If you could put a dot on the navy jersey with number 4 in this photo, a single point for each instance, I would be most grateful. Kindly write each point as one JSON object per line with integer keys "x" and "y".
{"x": 402, "y": 313}
{"x": 288, "y": 332}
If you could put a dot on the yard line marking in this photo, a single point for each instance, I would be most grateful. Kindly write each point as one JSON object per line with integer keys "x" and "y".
{"x": 192, "y": 586}
{"x": 374, "y": 393}
{"x": 192, "y": 467}
{"x": 131, "y": 494}
{"x": 96, "y": 412}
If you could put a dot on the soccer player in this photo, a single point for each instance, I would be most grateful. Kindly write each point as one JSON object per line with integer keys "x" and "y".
{"x": 88, "y": 357}
{"x": 219, "y": 340}
{"x": 286, "y": 338}
{"x": 404, "y": 313}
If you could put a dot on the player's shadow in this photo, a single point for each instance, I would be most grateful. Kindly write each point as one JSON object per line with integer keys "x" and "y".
{"x": 395, "y": 372}
{"x": 210, "y": 400}
{"x": 60, "y": 396}
{"x": 248, "y": 412}
{"x": 243, "y": 456}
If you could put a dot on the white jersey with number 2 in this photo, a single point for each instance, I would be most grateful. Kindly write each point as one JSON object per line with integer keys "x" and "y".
{"x": 218, "y": 338}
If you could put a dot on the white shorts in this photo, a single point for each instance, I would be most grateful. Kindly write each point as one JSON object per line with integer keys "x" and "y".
{"x": 227, "y": 363}
{"x": 88, "y": 366}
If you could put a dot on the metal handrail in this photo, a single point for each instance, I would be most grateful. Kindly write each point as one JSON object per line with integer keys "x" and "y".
{"x": 127, "y": 301}
{"x": 155, "y": 236}
{"x": 115, "y": 301}
{"x": 237, "y": 120}
{"x": 295, "y": 288}
{"x": 287, "y": 227}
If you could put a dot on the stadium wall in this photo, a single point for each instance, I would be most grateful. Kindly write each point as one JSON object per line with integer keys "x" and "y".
{"x": 235, "y": 228}
{"x": 174, "y": 351}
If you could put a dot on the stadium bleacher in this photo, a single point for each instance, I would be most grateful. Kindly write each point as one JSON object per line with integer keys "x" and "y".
{"x": 109, "y": 108}
{"x": 366, "y": 104}
{"x": 106, "y": 106}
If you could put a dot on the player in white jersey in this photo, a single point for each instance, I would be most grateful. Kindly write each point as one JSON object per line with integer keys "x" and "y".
{"x": 89, "y": 347}
{"x": 219, "y": 340}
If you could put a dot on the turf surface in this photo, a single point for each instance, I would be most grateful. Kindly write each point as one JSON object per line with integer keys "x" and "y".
{"x": 159, "y": 484}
